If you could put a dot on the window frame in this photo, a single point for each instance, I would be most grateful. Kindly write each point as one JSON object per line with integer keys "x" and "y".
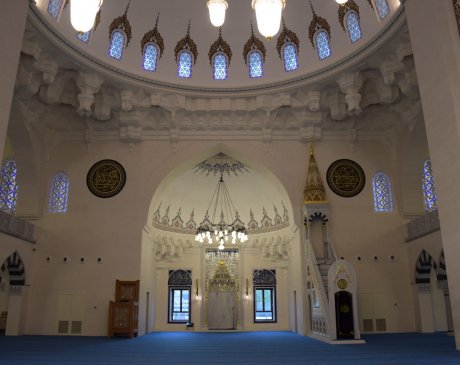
{"x": 89, "y": 36}
{"x": 179, "y": 60}
{"x": 171, "y": 290}
{"x": 296, "y": 56}
{"x": 213, "y": 66}
{"x": 272, "y": 290}
{"x": 348, "y": 13}
{"x": 61, "y": 5}
{"x": 261, "y": 63}
{"x": 428, "y": 165}
{"x": 12, "y": 187}
{"x": 157, "y": 56}
{"x": 389, "y": 191}
{"x": 51, "y": 195}
{"x": 376, "y": 8}
{"x": 121, "y": 31}
{"x": 315, "y": 36}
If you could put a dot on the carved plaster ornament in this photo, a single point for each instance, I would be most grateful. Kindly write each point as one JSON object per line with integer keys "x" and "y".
{"x": 344, "y": 9}
{"x": 186, "y": 43}
{"x": 153, "y": 36}
{"x": 316, "y": 24}
{"x": 253, "y": 43}
{"x": 123, "y": 24}
{"x": 286, "y": 36}
{"x": 220, "y": 46}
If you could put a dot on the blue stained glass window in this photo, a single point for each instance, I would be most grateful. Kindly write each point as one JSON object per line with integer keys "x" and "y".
{"x": 150, "y": 57}
{"x": 429, "y": 192}
{"x": 382, "y": 8}
{"x": 84, "y": 37}
{"x": 256, "y": 66}
{"x": 383, "y": 199}
{"x": 290, "y": 57}
{"x": 54, "y": 7}
{"x": 59, "y": 193}
{"x": 220, "y": 67}
{"x": 117, "y": 44}
{"x": 323, "y": 47}
{"x": 184, "y": 68}
{"x": 353, "y": 26}
{"x": 8, "y": 187}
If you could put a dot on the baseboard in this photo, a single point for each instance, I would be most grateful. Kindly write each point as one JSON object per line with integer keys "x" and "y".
{"x": 337, "y": 342}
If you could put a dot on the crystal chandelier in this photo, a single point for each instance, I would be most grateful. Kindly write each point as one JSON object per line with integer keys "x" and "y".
{"x": 217, "y": 10}
{"x": 83, "y": 13}
{"x": 230, "y": 229}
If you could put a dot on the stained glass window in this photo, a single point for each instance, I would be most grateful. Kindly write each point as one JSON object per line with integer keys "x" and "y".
{"x": 429, "y": 192}
{"x": 54, "y": 7}
{"x": 290, "y": 57}
{"x": 8, "y": 187}
{"x": 383, "y": 199}
{"x": 323, "y": 47}
{"x": 382, "y": 8}
{"x": 59, "y": 193}
{"x": 256, "y": 66}
{"x": 84, "y": 36}
{"x": 220, "y": 67}
{"x": 150, "y": 57}
{"x": 184, "y": 67}
{"x": 353, "y": 26}
{"x": 117, "y": 44}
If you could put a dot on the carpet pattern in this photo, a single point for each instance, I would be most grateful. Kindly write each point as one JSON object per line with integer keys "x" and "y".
{"x": 248, "y": 348}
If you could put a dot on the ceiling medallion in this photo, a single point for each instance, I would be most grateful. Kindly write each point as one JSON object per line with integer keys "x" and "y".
{"x": 106, "y": 178}
{"x": 253, "y": 43}
{"x": 220, "y": 46}
{"x": 188, "y": 44}
{"x": 316, "y": 24}
{"x": 346, "y": 178}
{"x": 154, "y": 36}
{"x": 122, "y": 23}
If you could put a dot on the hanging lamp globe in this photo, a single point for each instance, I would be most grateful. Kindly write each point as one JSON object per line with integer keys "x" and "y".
{"x": 268, "y": 14}
{"x": 217, "y": 10}
{"x": 83, "y": 14}
{"x": 341, "y": 2}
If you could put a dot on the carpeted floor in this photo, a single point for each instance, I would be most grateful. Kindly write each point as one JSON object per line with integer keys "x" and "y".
{"x": 249, "y": 348}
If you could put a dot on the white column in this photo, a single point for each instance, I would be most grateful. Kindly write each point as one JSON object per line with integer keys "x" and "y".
{"x": 12, "y": 25}
{"x": 426, "y": 308}
{"x": 17, "y": 304}
{"x": 436, "y": 46}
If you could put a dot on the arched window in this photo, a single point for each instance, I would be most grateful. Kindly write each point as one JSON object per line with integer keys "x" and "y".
{"x": 264, "y": 284}
{"x": 8, "y": 187}
{"x": 322, "y": 44}
{"x": 429, "y": 193}
{"x": 150, "y": 57}
{"x": 54, "y": 8}
{"x": 59, "y": 193}
{"x": 219, "y": 66}
{"x": 179, "y": 296}
{"x": 383, "y": 199}
{"x": 84, "y": 37}
{"x": 117, "y": 44}
{"x": 353, "y": 26}
{"x": 256, "y": 66}
{"x": 184, "y": 66}
{"x": 382, "y": 8}
{"x": 290, "y": 57}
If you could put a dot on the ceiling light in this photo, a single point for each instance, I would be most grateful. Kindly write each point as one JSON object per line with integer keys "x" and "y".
{"x": 217, "y": 11}
{"x": 83, "y": 13}
{"x": 268, "y": 14}
{"x": 341, "y": 2}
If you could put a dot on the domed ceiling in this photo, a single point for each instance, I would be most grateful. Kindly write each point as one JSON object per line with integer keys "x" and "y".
{"x": 174, "y": 17}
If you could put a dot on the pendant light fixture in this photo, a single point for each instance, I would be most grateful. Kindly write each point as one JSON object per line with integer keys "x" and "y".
{"x": 83, "y": 13}
{"x": 268, "y": 14}
{"x": 341, "y": 2}
{"x": 217, "y": 10}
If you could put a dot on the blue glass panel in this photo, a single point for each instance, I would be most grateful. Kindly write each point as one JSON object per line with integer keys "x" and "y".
{"x": 353, "y": 26}
{"x": 150, "y": 57}
{"x": 117, "y": 44}
{"x": 383, "y": 199}
{"x": 8, "y": 186}
{"x": 220, "y": 67}
{"x": 382, "y": 8}
{"x": 59, "y": 193}
{"x": 290, "y": 57}
{"x": 322, "y": 44}
{"x": 54, "y": 7}
{"x": 256, "y": 67}
{"x": 184, "y": 68}
{"x": 429, "y": 192}
{"x": 84, "y": 37}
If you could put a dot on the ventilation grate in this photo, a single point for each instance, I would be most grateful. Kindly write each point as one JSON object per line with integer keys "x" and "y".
{"x": 368, "y": 325}
{"x": 381, "y": 325}
{"x": 76, "y": 327}
{"x": 63, "y": 327}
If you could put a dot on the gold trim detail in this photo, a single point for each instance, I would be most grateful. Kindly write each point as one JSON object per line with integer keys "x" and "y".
{"x": 122, "y": 23}
{"x": 188, "y": 44}
{"x": 252, "y": 44}
{"x": 344, "y": 9}
{"x": 154, "y": 36}
{"x": 314, "y": 192}
{"x": 286, "y": 36}
{"x": 316, "y": 24}
{"x": 220, "y": 46}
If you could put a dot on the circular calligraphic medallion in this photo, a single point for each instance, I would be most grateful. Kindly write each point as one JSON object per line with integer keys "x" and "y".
{"x": 346, "y": 178}
{"x": 106, "y": 178}
{"x": 342, "y": 284}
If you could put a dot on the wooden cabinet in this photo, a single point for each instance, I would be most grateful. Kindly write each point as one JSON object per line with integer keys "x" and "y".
{"x": 123, "y": 312}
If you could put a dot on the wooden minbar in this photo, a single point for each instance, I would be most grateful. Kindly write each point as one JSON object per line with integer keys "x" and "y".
{"x": 123, "y": 312}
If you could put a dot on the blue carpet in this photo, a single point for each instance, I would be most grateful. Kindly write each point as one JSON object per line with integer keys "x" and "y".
{"x": 248, "y": 348}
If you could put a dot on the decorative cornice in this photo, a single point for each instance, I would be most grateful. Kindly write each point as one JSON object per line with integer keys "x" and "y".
{"x": 186, "y": 43}
{"x": 252, "y": 44}
{"x": 155, "y": 37}
{"x": 123, "y": 24}
{"x": 220, "y": 46}
{"x": 316, "y": 24}
{"x": 314, "y": 192}
{"x": 344, "y": 9}
{"x": 286, "y": 36}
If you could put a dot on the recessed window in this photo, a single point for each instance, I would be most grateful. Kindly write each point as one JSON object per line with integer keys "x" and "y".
{"x": 117, "y": 44}
{"x": 179, "y": 303}
{"x": 255, "y": 61}
{"x": 353, "y": 26}
{"x": 184, "y": 67}
{"x": 219, "y": 66}
{"x": 264, "y": 283}
{"x": 429, "y": 192}
{"x": 8, "y": 186}
{"x": 322, "y": 44}
{"x": 54, "y": 8}
{"x": 150, "y": 57}
{"x": 59, "y": 193}
{"x": 381, "y": 185}
{"x": 290, "y": 57}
